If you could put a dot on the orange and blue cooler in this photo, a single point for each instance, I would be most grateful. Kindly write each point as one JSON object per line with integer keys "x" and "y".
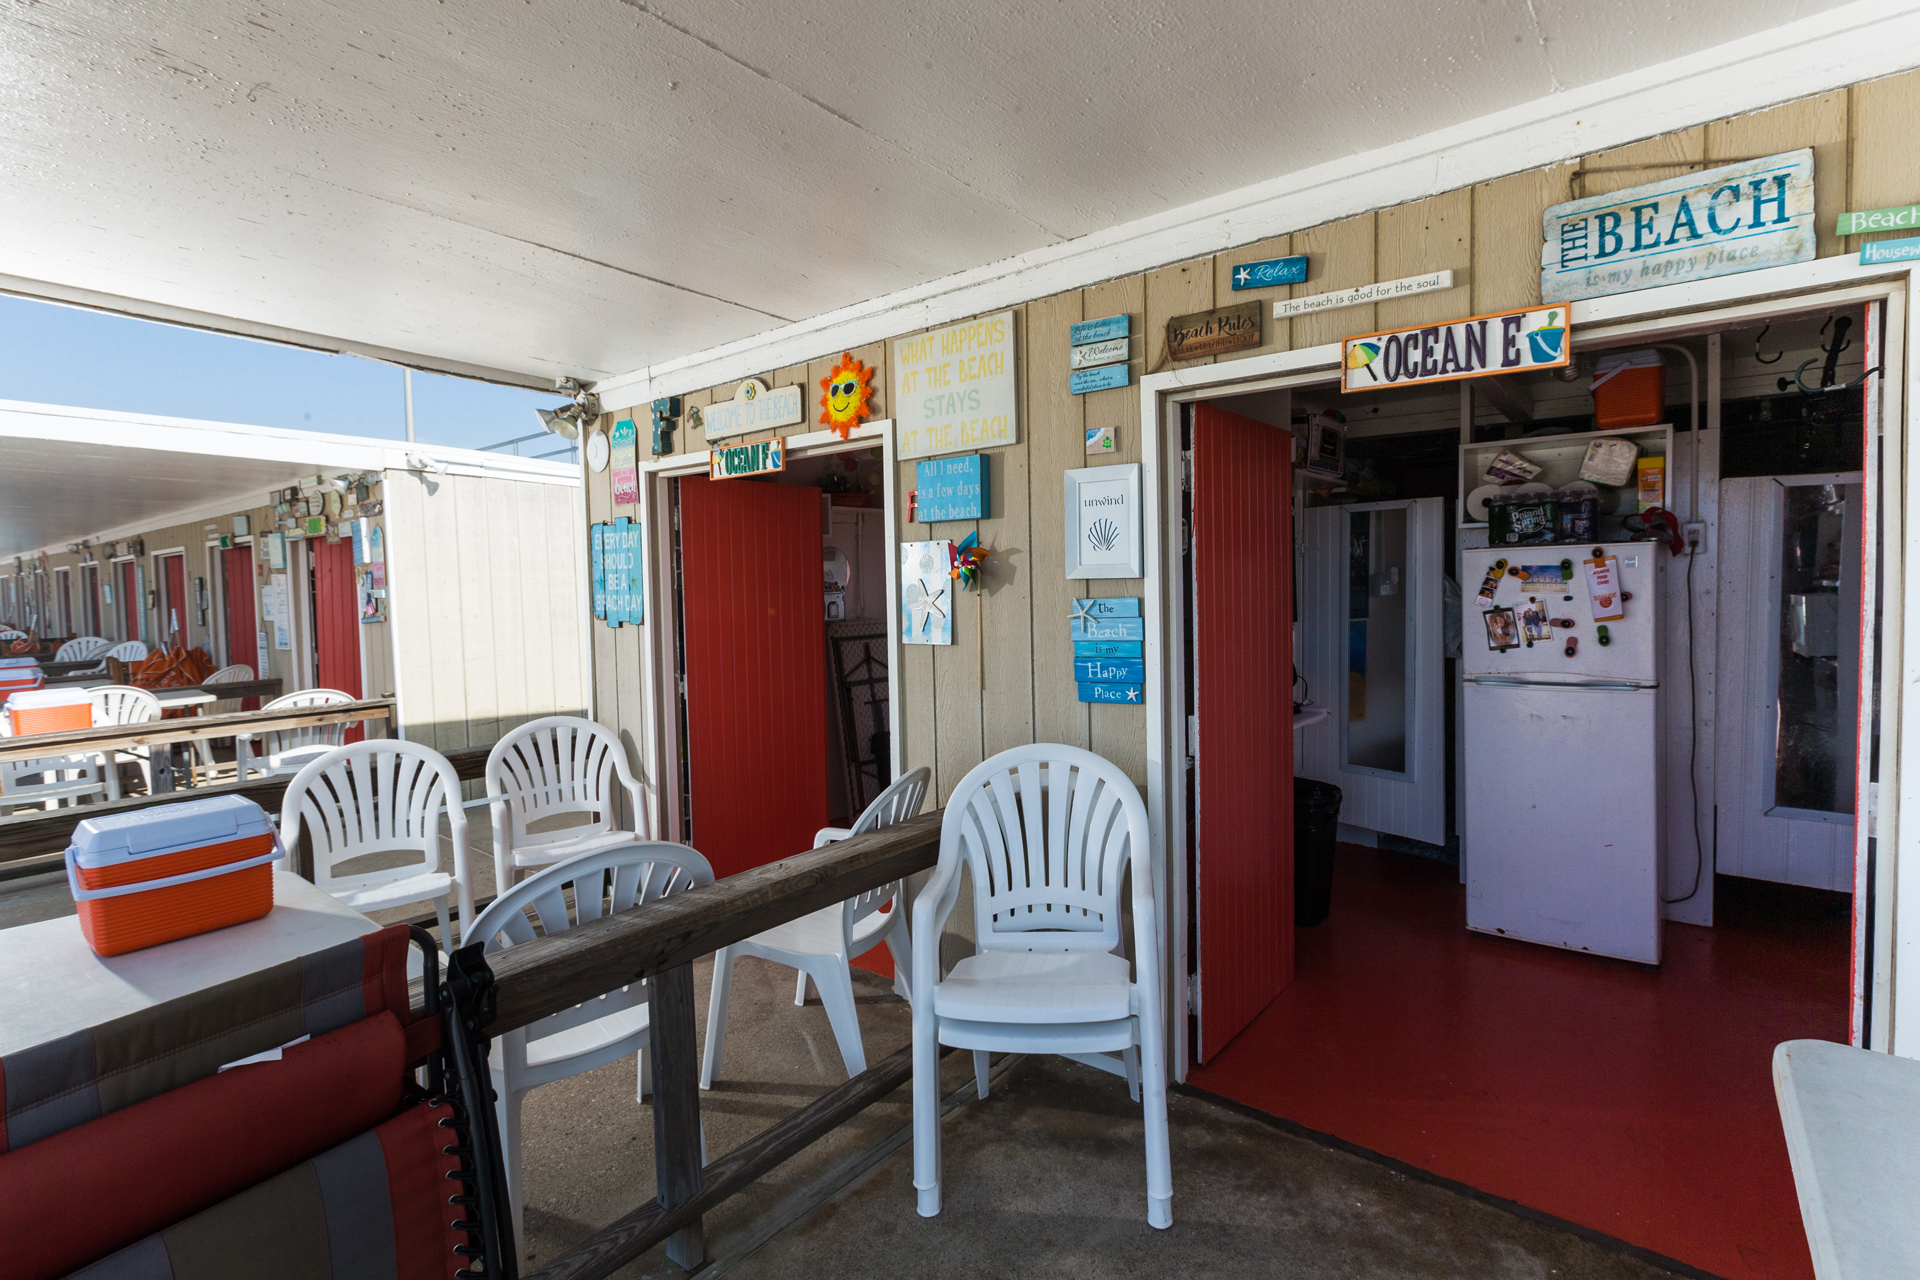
{"x": 63, "y": 709}
{"x": 161, "y": 874}
{"x": 18, "y": 675}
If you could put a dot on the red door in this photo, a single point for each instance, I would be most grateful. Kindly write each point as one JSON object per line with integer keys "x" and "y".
{"x": 130, "y": 601}
{"x": 173, "y": 603}
{"x": 243, "y": 636}
{"x": 336, "y": 621}
{"x": 1243, "y": 678}
{"x": 756, "y": 651}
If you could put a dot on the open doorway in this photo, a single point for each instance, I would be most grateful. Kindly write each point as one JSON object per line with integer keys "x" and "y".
{"x": 1604, "y": 1092}
{"x": 781, "y": 646}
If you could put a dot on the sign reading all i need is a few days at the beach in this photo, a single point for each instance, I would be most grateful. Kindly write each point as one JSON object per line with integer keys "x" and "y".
{"x": 953, "y": 389}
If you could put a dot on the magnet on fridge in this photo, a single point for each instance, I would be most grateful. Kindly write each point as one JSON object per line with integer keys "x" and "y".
{"x": 1625, "y": 596}
{"x": 1573, "y": 643}
{"x": 1568, "y": 599}
{"x": 1502, "y": 632}
{"x": 1566, "y": 571}
{"x": 1600, "y": 634}
{"x": 1565, "y": 624}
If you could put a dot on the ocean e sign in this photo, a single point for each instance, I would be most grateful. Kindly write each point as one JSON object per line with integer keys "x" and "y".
{"x": 952, "y": 488}
{"x": 954, "y": 389}
{"x": 1506, "y": 342}
{"x": 1691, "y": 227}
{"x": 749, "y": 458}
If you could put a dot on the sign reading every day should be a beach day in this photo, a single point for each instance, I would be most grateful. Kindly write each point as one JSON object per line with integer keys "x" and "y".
{"x": 953, "y": 389}
{"x": 1692, "y": 227}
{"x": 1502, "y": 343}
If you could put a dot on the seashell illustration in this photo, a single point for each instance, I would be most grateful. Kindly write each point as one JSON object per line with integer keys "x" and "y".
{"x": 1104, "y": 535}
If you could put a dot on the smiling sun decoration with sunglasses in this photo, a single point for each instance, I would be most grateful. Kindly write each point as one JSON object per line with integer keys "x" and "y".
{"x": 845, "y": 395}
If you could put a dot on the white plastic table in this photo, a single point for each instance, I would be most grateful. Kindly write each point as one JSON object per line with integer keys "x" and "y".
{"x": 51, "y": 983}
{"x": 1852, "y": 1120}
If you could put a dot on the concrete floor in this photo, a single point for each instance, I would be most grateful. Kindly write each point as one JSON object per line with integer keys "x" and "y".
{"x": 1045, "y": 1178}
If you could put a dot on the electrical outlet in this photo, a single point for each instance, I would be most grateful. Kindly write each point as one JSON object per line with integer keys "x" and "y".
{"x": 1696, "y": 536}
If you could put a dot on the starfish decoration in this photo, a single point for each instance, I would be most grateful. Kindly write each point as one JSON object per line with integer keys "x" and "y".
{"x": 1082, "y": 611}
{"x": 1242, "y": 275}
{"x": 925, "y": 605}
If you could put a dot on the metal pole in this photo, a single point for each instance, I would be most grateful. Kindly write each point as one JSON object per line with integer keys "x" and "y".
{"x": 407, "y": 377}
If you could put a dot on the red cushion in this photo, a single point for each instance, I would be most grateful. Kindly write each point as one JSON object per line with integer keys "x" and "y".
{"x": 79, "y": 1195}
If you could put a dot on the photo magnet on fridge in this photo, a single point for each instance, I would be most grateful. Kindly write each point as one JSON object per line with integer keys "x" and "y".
{"x": 1502, "y": 632}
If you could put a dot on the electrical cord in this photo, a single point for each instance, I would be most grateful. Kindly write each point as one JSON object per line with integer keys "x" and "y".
{"x": 1693, "y": 741}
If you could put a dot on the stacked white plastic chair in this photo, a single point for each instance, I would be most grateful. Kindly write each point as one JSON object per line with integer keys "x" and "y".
{"x": 81, "y": 648}
{"x": 1046, "y": 833}
{"x": 289, "y": 750}
{"x": 382, "y": 797}
{"x": 125, "y": 651}
{"x": 552, "y": 770}
{"x": 54, "y": 782}
{"x": 122, "y": 704}
{"x": 820, "y": 945}
{"x": 594, "y": 1032}
{"x": 237, "y": 673}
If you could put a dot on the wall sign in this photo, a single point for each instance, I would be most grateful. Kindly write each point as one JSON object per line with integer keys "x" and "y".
{"x": 1693, "y": 227}
{"x": 952, "y": 488}
{"x": 954, "y": 388}
{"x": 1213, "y": 333}
{"x": 626, "y": 475}
{"x": 1900, "y": 217}
{"x": 597, "y": 542}
{"x": 846, "y": 396}
{"x": 666, "y": 416}
{"x": 1382, "y": 291}
{"x": 1103, "y": 537}
{"x": 1081, "y": 381}
{"x": 1108, "y": 669}
{"x": 618, "y": 573}
{"x": 1878, "y": 251}
{"x": 1100, "y": 330}
{"x": 1479, "y": 345}
{"x": 926, "y": 593}
{"x": 754, "y": 408}
{"x": 751, "y": 458}
{"x": 1272, "y": 271}
{"x": 1094, "y": 354}
{"x": 1101, "y": 440}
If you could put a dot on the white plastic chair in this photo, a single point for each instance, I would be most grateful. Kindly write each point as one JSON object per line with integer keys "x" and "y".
{"x": 552, "y": 769}
{"x": 81, "y": 648}
{"x": 122, "y": 704}
{"x": 125, "y": 651}
{"x": 820, "y": 945}
{"x": 1046, "y": 832}
{"x": 594, "y": 1032}
{"x": 237, "y": 673}
{"x": 290, "y": 750}
{"x": 10, "y": 634}
{"x": 384, "y": 796}
{"x": 53, "y": 783}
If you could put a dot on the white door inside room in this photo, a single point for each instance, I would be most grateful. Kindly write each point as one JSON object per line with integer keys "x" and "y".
{"x": 1370, "y": 651}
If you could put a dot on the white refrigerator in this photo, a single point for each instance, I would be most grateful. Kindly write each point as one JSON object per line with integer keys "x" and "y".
{"x": 1563, "y": 752}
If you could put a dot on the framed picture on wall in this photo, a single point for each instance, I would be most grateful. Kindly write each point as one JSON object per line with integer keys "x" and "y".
{"x": 1103, "y": 523}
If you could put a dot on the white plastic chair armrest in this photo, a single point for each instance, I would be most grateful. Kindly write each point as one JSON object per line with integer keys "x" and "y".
{"x": 827, "y": 835}
{"x": 931, "y": 908}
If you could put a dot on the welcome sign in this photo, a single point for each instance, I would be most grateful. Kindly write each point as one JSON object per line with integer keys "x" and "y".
{"x": 1693, "y": 227}
{"x": 1506, "y": 342}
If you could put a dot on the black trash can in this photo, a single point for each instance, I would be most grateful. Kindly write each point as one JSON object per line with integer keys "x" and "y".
{"x": 1316, "y": 823}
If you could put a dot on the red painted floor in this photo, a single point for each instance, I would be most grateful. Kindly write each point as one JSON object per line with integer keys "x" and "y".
{"x": 1632, "y": 1101}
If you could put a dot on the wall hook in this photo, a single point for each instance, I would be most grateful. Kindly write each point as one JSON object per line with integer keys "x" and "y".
{"x": 1839, "y": 334}
{"x": 1778, "y": 356}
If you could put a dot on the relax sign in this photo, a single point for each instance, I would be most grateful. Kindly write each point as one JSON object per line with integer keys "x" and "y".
{"x": 1692, "y": 227}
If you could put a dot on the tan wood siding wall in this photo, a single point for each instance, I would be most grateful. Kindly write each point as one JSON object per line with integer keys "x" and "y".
{"x": 1489, "y": 235}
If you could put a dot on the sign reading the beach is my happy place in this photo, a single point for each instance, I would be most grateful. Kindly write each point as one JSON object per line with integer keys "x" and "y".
{"x": 953, "y": 389}
{"x": 1692, "y": 227}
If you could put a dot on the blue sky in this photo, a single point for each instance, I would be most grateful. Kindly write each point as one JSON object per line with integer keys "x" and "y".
{"x": 63, "y": 355}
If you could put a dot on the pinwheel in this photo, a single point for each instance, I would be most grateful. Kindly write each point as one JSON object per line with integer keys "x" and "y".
{"x": 967, "y": 558}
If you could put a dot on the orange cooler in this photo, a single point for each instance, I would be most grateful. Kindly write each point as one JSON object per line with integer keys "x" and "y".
{"x": 18, "y": 675}
{"x": 160, "y": 874}
{"x": 63, "y": 709}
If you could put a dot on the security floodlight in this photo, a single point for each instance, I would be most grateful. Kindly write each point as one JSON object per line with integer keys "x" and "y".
{"x": 559, "y": 422}
{"x": 568, "y": 420}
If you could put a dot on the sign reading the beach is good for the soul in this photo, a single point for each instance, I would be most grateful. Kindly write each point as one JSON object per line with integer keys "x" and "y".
{"x": 953, "y": 389}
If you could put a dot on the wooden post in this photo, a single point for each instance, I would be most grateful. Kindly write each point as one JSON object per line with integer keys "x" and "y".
{"x": 676, "y": 1104}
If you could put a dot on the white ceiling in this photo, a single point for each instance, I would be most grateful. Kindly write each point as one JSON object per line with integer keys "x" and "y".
{"x": 592, "y": 186}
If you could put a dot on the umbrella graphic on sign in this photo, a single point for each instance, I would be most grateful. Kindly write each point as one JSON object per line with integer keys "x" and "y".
{"x": 1361, "y": 355}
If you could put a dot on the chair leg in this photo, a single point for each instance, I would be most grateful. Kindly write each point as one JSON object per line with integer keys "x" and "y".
{"x": 926, "y": 1114}
{"x": 980, "y": 1061}
{"x": 800, "y": 990}
{"x": 1130, "y": 1057}
{"x": 1153, "y": 1072}
{"x": 717, "y": 1015}
{"x": 836, "y": 992}
{"x": 441, "y": 912}
{"x": 507, "y": 1109}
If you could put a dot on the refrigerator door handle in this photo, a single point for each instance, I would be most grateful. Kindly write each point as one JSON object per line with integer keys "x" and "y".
{"x": 1603, "y": 686}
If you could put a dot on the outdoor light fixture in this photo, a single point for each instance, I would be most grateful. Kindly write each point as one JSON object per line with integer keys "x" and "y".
{"x": 421, "y": 462}
{"x": 568, "y": 420}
